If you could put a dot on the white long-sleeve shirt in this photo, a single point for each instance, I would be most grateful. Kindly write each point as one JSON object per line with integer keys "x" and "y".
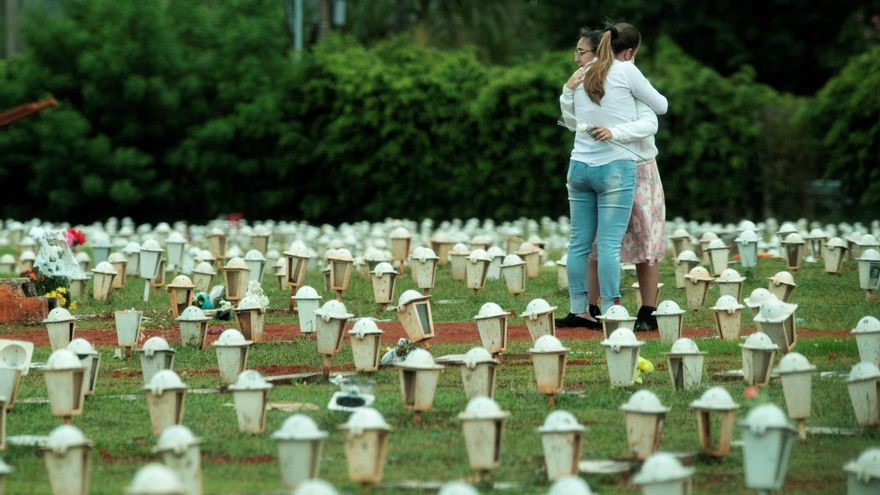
{"x": 624, "y": 84}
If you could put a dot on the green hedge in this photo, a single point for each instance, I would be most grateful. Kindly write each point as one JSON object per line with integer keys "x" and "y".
{"x": 194, "y": 109}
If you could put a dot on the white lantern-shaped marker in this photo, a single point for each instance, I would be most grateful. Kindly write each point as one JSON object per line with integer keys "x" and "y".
{"x": 232, "y": 353}
{"x": 685, "y": 262}
{"x": 781, "y": 285}
{"x": 730, "y": 283}
{"x": 767, "y": 441}
{"x": 299, "y": 449}
{"x": 785, "y": 229}
{"x": 102, "y": 281}
{"x": 132, "y": 252}
{"x": 423, "y": 264}
{"x": 383, "y": 278}
{"x": 217, "y": 243}
{"x": 480, "y": 242}
{"x": 531, "y": 254}
{"x": 179, "y": 450}
{"x": 482, "y": 424}
{"x": 202, "y": 275}
{"x": 235, "y": 276}
{"x": 155, "y": 479}
{"x": 539, "y": 319}
{"x": 834, "y": 255}
{"x": 616, "y": 317}
{"x": 705, "y": 240}
{"x": 418, "y": 380}
{"x": 757, "y": 355}
{"x": 400, "y": 241}
{"x": 166, "y": 394}
{"x": 728, "y": 317}
{"x": 251, "y": 316}
{"x": 128, "y": 328}
{"x": 697, "y": 286}
{"x": 477, "y": 267}
{"x": 155, "y": 356}
{"x": 663, "y": 474}
{"x": 84, "y": 260}
{"x": 315, "y": 487}
{"x": 496, "y": 257}
{"x": 149, "y": 266}
{"x": 867, "y": 334}
{"x": 548, "y": 360}
{"x": 777, "y": 320}
{"x": 757, "y": 299}
{"x": 101, "y": 247}
{"x": 644, "y": 416}
{"x": 562, "y": 272}
{"x": 90, "y": 360}
{"x": 562, "y": 438}
{"x": 622, "y": 357}
{"x": 307, "y": 303}
{"x": 61, "y": 326}
{"x": 206, "y": 256}
{"x": 297, "y": 260}
{"x": 365, "y": 337}
{"x": 193, "y": 326}
{"x": 715, "y": 401}
{"x": 441, "y": 245}
{"x": 26, "y": 260}
{"x": 863, "y": 384}
{"x": 797, "y": 385}
{"x": 492, "y": 325}
{"x": 458, "y": 258}
{"x": 670, "y": 320}
{"x": 513, "y": 269}
{"x": 259, "y": 238}
{"x": 681, "y": 241}
{"x": 15, "y": 360}
{"x": 67, "y": 461}
{"x": 869, "y": 270}
{"x": 256, "y": 262}
{"x": 65, "y": 383}
{"x": 281, "y": 273}
{"x": 636, "y": 286}
{"x": 794, "y": 247}
{"x": 366, "y": 444}
{"x": 174, "y": 245}
{"x": 478, "y": 373}
{"x": 7, "y": 263}
{"x": 570, "y": 485}
{"x": 747, "y": 245}
{"x": 250, "y": 393}
{"x": 685, "y": 364}
{"x": 78, "y": 285}
{"x": 863, "y": 474}
{"x": 457, "y": 488}
{"x": 865, "y": 242}
{"x": 719, "y": 253}
{"x": 414, "y": 313}
{"x": 341, "y": 265}
{"x": 180, "y": 293}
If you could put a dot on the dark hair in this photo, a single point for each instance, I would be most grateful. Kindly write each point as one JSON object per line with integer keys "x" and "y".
{"x": 617, "y": 38}
{"x": 593, "y": 36}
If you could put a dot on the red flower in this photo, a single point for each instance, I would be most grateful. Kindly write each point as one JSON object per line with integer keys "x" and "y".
{"x": 75, "y": 237}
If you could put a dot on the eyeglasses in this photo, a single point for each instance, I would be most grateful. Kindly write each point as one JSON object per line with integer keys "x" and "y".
{"x": 580, "y": 53}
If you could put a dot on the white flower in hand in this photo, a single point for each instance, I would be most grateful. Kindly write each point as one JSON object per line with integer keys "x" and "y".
{"x": 584, "y": 127}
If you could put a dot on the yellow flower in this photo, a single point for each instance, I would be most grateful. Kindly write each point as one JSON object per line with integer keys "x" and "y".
{"x": 645, "y": 365}
{"x": 73, "y": 305}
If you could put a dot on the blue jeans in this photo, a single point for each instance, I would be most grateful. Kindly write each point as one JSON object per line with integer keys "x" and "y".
{"x": 601, "y": 200}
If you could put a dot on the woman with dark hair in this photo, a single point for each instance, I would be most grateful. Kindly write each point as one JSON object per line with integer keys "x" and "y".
{"x": 643, "y": 243}
{"x": 601, "y": 175}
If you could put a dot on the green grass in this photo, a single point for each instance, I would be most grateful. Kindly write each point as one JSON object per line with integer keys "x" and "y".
{"x": 434, "y": 449}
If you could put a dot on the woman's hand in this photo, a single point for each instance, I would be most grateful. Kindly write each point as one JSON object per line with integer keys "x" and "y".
{"x": 600, "y": 133}
{"x": 577, "y": 77}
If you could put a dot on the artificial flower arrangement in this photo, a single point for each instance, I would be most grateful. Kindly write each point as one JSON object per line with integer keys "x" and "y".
{"x": 54, "y": 286}
{"x": 62, "y": 295}
{"x": 75, "y": 237}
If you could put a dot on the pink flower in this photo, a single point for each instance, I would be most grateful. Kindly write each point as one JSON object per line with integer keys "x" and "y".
{"x": 750, "y": 393}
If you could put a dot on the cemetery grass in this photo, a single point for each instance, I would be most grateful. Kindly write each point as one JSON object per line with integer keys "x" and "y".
{"x": 117, "y": 421}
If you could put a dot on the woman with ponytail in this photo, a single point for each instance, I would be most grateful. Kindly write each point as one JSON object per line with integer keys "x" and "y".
{"x": 600, "y": 96}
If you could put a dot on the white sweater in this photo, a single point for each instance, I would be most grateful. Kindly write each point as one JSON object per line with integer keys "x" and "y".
{"x": 618, "y": 111}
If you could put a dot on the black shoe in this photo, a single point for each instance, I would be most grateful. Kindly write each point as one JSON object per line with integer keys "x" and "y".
{"x": 644, "y": 320}
{"x": 575, "y": 321}
{"x": 595, "y": 310}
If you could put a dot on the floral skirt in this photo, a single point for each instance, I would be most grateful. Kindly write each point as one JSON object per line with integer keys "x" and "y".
{"x": 644, "y": 238}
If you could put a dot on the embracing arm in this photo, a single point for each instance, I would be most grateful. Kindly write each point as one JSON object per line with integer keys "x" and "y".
{"x": 644, "y": 126}
{"x": 643, "y": 90}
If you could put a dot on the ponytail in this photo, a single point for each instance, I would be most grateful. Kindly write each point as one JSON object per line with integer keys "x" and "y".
{"x": 594, "y": 80}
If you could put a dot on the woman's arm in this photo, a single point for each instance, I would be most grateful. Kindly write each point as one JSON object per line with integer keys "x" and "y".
{"x": 566, "y": 104}
{"x": 643, "y": 90}
{"x": 645, "y": 126}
